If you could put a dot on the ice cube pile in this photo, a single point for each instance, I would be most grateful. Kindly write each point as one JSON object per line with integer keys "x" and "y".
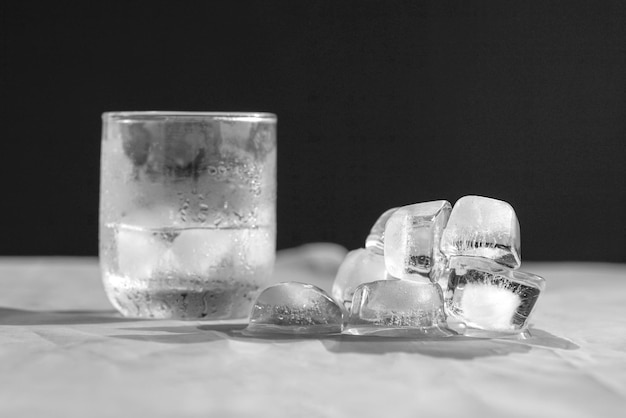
{"x": 427, "y": 270}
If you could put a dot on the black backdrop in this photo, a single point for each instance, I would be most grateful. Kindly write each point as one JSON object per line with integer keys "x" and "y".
{"x": 380, "y": 103}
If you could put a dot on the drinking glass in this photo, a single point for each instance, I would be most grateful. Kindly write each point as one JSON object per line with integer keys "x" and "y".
{"x": 187, "y": 212}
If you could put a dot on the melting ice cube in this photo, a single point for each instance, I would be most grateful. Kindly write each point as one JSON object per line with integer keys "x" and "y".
{"x": 487, "y": 296}
{"x": 375, "y": 241}
{"x": 140, "y": 251}
{"x": 412, "y": 238}
{"x": 199, "y": 250}
{"x": 136, "y": 143}
{"x": 295, "y": 308}
{"x": 189, "y": 145}
{"x": 360, "y": 266}
{"x": 483, "y": 227}
{"x": 256, "y": 247}
{"x": 142, "y": 241}
{"x": 398, "y": 308}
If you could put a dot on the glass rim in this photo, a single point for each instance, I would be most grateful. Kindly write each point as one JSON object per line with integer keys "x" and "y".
{"x": 165, "y": 115}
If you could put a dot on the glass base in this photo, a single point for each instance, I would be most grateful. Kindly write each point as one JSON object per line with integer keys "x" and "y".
{"x": 214, "y": 301}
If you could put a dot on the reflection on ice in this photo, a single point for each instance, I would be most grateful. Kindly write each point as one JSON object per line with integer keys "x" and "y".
{"x": 375, "y": 241}
{"x": 360, "y": 266}
{"x": 412, "y": 238}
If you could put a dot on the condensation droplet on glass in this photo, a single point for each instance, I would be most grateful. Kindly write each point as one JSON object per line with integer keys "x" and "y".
{"x": 203, "y": 212}
{"x": 182, "y": 211}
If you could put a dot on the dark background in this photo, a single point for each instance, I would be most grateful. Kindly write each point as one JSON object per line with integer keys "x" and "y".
{"x": 380, "y": 104}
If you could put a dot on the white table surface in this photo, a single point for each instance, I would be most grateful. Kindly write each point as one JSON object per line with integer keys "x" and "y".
{"x": 64, "y": 352}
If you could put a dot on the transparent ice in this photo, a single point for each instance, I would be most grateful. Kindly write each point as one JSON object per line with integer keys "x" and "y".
{"x": 398, "y": 308}
{"x": 295, "y": 308}
{"x": 140, "y": 254}
{"x": 162, "y": 272}
{"x": 483, "y": 227}
{"x": 187, "y": 215}
{"x": 412, "y": 238}
{"x": 375, "y": 241}
{"x": 487, "y": 296}
{"x": 360, "y": 266}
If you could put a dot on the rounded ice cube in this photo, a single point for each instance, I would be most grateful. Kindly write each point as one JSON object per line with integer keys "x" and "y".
{"x": 376, "y": 238}
{"x": 295, "y": 308}
{"x": 359, "y": 266}
{"x": 398, "y": 308}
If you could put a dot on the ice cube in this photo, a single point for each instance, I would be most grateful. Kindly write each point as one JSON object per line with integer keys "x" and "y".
{"x": 183, "y": 148}
{"x": 295, "y": 308}
{"x": 484, "y": 295}
{"x": 256, "y": 247}
{"x": 398, "y": 308}
{"x": 140, "y": 251}
{"x": 375, "y": 241}
{"x": 483, "y": 227}
{"x": 136, "y": 143}
{"x": 185, "y": 143}
{"x": 235, "y": 136}
{"x": 360, "y": 266}
{"x": 236, "y": 133}
{"x": 262, "y": 140}
{"x": 199, "y": 251}
{"x": 412, "y": 238}
{"x": 143, "y": 241}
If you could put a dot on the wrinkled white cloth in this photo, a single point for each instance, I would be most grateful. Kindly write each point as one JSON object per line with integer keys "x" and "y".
{"x": 64, "y": 352}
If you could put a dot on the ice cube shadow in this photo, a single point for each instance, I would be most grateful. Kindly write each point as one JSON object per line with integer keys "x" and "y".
{"x": 454, "y": 347}
{"x": 183, "y": 334}
{"x": 461, "y": 348}
{"x": 10, "y": 316}
{"x": 458, "y": 347}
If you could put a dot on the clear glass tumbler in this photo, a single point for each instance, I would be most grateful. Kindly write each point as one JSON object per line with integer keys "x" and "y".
{"x": 187, "y": 212}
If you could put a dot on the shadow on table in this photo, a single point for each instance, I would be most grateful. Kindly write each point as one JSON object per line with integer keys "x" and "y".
{"x": 10, "y": 316}
{"x": 462, "y": 348}
{"x": 189, "y": 334}
{"x": 183, "y": 334}
{"x": 454, "y": 347}
{"x": 458, "y": 347}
